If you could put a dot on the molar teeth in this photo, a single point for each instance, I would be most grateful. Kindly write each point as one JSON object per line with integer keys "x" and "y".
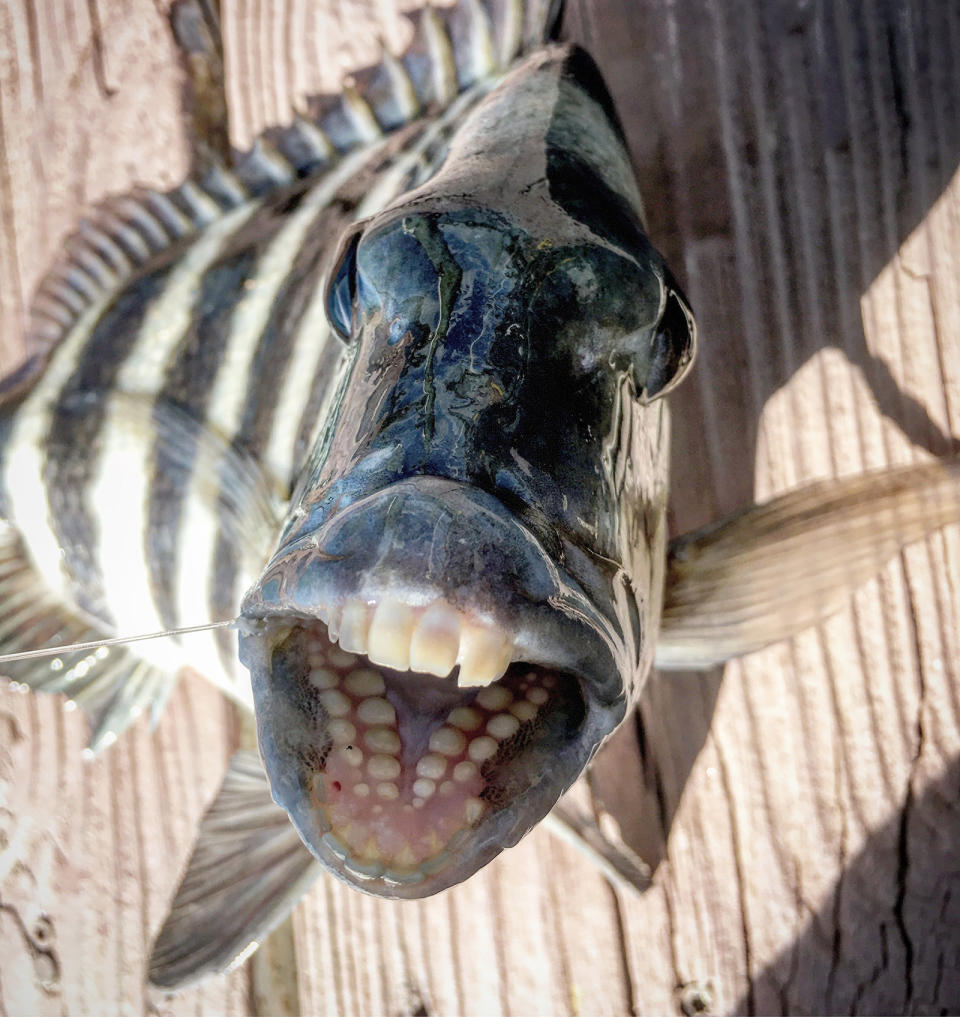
{"x": 481, "y": 749}
{"x": 436, "y": 640}
{"x": 485, "y": 655}
{"x": 423, "y": 787}
{"x": 432, "y": 766}
{"x": 388, "y": 641}
{"x": 382, "y": 740}
{"x": 503, "y": 726}
{"x": 354, "y": 626}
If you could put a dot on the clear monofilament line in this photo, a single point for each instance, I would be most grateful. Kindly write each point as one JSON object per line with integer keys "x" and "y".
{"x": 94, "y": 644}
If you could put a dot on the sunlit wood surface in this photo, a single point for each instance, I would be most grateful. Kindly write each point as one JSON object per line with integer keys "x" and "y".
{"x": 800, "y": 809}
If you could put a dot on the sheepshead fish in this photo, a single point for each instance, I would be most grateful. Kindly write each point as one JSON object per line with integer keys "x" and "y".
{"x": 390, "y": 396}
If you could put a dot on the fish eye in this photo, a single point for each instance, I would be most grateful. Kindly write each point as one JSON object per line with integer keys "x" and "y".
{"x": 673, "y": 345}
{"x": 342, "y": 285}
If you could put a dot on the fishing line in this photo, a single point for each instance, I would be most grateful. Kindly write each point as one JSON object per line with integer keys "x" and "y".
{"x": 94, "y": 644}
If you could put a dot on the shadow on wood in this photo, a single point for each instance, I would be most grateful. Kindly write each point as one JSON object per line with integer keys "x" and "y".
{"x": 899, "y": 895}
{"x": 786, "y": 153}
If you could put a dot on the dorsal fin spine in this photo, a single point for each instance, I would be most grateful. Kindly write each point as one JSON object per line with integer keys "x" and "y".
{"x": 94, "y": 265}
{"x": 440, "y": 48}
{"x": 201, "y": 207}
{"x": 224, "y": 187}
{"x": 126, "y": 237}
{"x": 368, "y": 127}
{"x": 48, "y": 305}
{"x": 482, "y": 42}
{"x": 264, "y": 168}
{"x": 60, "y": 293}
{"x": 105, "y": 247}
{"x": 408, "y": 102}
{"x": 167, "y": 213}
{"x": 512, "y": 41}
{"x": 74, "y": 278}
{"x": 316, "y": 146}
{"x": 148, "y": 225}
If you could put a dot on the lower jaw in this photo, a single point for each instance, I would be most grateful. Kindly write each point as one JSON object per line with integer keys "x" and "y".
{"x": 407, "y": 768}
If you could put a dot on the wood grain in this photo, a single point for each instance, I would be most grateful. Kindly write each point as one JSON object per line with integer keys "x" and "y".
{"x": 799, "y": 164}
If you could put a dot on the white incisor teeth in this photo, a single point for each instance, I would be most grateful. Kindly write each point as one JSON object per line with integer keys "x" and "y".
{"x": 388, "y": 642}
{"x": 354, "y": 626}
{"x": 433, "y": 640}
{"x": 436, "y": 640}
{"x": 485, "y": 654}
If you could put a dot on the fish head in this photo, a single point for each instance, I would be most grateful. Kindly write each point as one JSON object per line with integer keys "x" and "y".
{"x": 463, "y": 600}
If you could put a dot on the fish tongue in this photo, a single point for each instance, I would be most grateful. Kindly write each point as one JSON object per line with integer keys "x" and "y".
{"x": 422, "y": 702}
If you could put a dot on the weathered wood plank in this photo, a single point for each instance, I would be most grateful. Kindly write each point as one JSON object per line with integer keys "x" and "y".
{"x": 798, "y": 162}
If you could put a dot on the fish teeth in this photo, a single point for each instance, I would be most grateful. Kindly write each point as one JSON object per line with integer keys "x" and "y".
{"x": 436, "y": 640}
{"x": 354, "y": 626}
{"x": 431, "y": 640}
{"x": 388, "y": 642}
{"x": 485, "y": 655}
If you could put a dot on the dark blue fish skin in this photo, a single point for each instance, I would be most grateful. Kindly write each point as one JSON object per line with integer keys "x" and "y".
{"x": 492, "y": 445}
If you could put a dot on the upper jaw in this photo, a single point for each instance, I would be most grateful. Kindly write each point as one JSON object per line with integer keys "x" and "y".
{"x": 400, "y": 780}
{"x": 428, "y": 568}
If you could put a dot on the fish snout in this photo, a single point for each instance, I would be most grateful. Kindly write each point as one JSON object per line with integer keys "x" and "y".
{"x": 428, "y": 575}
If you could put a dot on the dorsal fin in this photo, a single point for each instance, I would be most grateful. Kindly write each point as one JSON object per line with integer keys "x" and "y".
{"x": 116, "y": 240}
{"x": 452, "y": 48}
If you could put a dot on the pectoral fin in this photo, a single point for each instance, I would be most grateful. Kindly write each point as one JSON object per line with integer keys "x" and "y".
{"x": 248, "y": 870}
{"x": 776, "y": 569}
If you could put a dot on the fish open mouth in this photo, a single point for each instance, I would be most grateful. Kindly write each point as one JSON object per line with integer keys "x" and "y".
{"x": 400, "y": 771}
{"x": 423, "y": 694}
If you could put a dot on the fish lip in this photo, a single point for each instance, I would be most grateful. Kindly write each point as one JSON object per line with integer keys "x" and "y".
{"x": 553, "y": 622}
{"x": 520, "y": 589}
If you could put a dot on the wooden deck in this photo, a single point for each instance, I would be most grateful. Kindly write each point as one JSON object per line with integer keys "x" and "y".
{"x": 801, "y": 808}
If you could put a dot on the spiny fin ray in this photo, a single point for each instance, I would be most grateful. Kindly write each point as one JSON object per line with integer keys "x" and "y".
{"x": 247, "y": 871}
{"x": 776, "y": 569}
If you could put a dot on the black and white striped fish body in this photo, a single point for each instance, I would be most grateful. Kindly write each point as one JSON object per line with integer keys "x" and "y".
{"x": 148, "y": 464}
